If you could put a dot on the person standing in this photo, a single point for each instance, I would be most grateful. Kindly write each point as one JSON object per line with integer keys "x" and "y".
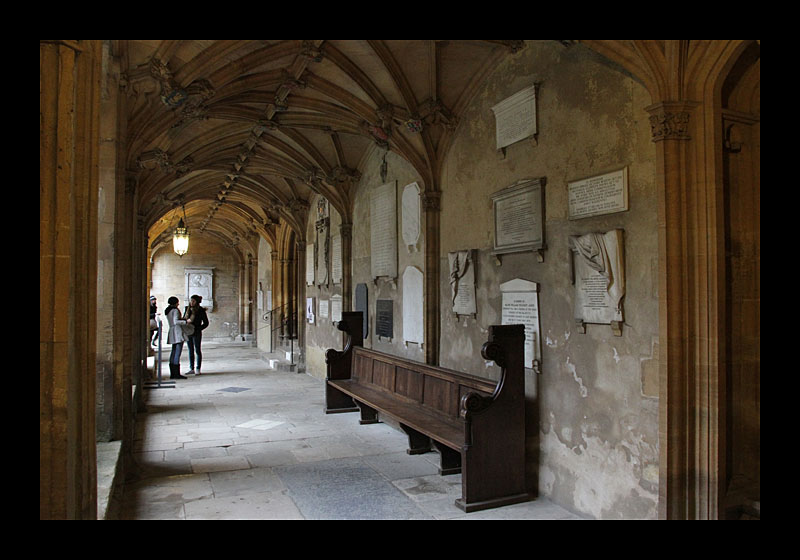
{"x": 176, "y": 337}
{"x": 153, "y": 323}
{"x": 197, "y": 316}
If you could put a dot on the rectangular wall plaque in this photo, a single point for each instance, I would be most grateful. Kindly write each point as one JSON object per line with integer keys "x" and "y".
{"x": 384, "y": 318}
{"x": 515, "y": 117}
{"x": 602, "y": 194}
{"x": 383, "y": 230}
{"x": 519, "y": 217}
{"x": 521, "y": 307}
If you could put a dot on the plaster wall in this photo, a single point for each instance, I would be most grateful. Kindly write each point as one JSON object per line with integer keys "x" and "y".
{"x": 168, "y": 280}
{"x": 592, "y": 415}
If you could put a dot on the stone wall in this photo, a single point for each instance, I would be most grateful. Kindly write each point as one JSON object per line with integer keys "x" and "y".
{"x": 592, "y": 415}
{"x": 168, "y": 280}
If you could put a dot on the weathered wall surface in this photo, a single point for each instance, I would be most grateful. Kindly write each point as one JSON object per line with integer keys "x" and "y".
{"x": 592, "y": 415}
{"x": 168, "y": 280}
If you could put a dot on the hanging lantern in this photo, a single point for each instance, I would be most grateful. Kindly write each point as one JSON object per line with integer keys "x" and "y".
{"x": 180, "y": 239}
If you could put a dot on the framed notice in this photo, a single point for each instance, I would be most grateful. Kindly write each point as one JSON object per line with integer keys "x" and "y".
{"x": 519, "y": 217}
{"x": 598, "y": 195}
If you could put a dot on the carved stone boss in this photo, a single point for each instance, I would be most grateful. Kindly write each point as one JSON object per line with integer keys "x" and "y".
{"x": 598, "y": 262}
{"x": 200, "y": 281}
{"x": 519, "y": 218}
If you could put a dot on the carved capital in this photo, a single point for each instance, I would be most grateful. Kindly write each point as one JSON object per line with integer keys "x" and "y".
{"x": 431, "y": 201}
{"x": 346, "y": 230}
{"x": 669, "y": 121}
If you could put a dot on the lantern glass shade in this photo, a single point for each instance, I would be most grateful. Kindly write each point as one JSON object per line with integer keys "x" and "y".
{"x": 180, "y": 240}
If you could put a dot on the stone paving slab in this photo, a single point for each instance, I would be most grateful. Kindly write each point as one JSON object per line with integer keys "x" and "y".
{"x": 267, "y": 450}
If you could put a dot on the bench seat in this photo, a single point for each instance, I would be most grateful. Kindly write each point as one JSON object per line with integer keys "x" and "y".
{"x": 476, "y": 424}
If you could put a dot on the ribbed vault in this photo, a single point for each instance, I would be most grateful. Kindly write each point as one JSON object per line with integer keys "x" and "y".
{"x": 244, "y": 133}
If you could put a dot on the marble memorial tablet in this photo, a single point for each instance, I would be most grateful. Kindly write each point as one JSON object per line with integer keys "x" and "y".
{"x": 384, "y": 318}
{"x": 462, "y": 282}
{"x": 200, "y": 281}
{"x": 383, "y": 230}
{"x": 336, "y": 308}
{"x": 519, "y": 216}
{"x": 323, "y": 308}
{"x": 410, "y": 205}
{"x": 336, "y": 259}
{"x": 413, "y": 309}
{"x": 321, "y": 274}
{"x": 515, "y": 117}
{"x": 521, "y": 307}
{"x": 602, "y": 194}
{"x": 598, "y": 261}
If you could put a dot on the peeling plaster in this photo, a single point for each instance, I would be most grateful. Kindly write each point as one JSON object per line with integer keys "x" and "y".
{"x": 571, "y": 368}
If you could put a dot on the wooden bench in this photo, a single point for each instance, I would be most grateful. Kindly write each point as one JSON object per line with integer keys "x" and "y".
{"x": 477, "y": 425}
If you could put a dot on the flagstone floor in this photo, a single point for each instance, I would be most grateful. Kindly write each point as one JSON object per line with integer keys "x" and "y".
{"x": 243, "y": 441}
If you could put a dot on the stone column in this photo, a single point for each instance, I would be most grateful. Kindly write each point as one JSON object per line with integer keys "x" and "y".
{"x": 689, "y": 420}
{"x": 69, "y": 98}
{"x": 300, "y": 302}
{"x": 431, "y": 205}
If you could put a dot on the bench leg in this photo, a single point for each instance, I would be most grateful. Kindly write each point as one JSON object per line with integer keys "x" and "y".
{"x": 450, "y": 459}
{"x": 368, "y": 414}
{"x": 417, "y": 442}
{"x": 336, "y": 401}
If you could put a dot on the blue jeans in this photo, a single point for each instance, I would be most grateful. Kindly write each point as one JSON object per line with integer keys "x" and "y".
{"x": 195, "y": 341}
{"x": 175, "y": 355}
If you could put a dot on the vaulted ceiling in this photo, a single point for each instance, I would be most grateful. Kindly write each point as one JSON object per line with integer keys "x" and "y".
{"x": 244, "y": 133}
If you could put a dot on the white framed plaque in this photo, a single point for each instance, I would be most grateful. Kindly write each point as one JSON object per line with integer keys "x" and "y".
{"x": 598, "y": 195}
{"x": 515, "y": 117}
{"x": 383, "y": 230}
{"x": 520, "y": 306}
{"x": 310, "y": 264}
{"x": 519, "y": 217}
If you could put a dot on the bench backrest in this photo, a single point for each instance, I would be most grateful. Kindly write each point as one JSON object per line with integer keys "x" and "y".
{"x": 438, "y": 389}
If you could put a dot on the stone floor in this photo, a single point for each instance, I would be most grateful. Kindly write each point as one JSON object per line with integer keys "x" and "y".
{"x": 242, "y": 441}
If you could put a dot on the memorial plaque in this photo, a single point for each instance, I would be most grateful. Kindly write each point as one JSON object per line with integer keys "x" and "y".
{"x": 603, "y": 194}
{"x": 519, "y": 217}
{"x": 411, "y": 215}
{"x": 515, "y": 117}
{"x": 323, "y": 308}
{"x": 413, "y": 308}
{"x": 200, "y": 281}
{"x": 336, "y": 308}
{"x": 521, "y": 307}
{"x": 383, "y": 230}
{"x": 384, "y": 318}
{"x": 310, "y": 310}
{"x": 462, "y": 282}
{"x": 599, "y": 276}
{"x": 321, "y": 274}
{"x": 310, "y": 264}
{"x": 362, "y": 304}
{"x": 336, "y": 259}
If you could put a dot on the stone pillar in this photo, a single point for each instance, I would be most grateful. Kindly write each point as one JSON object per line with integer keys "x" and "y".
{"x": 431, "y": 205}
{"x": 300, "y": 302}
{"x": 690, "y": 421}
{"x": 346, "y": 231}
{"x": 69, "y": 100}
